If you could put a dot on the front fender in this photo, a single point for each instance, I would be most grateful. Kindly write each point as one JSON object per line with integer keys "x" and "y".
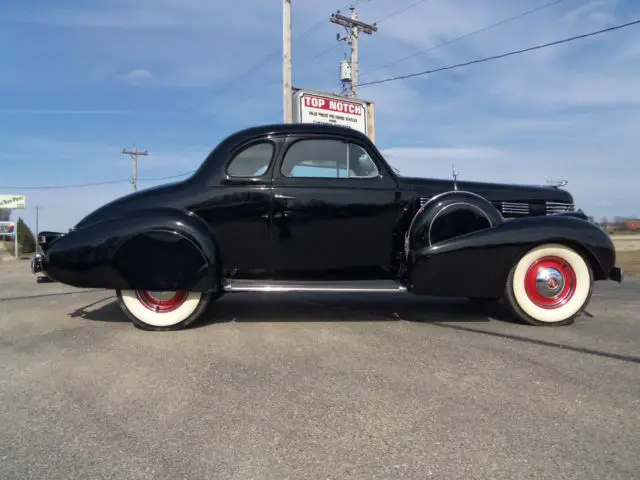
{"x": 160, "y": 249}
{"x": 424, "y": 231}
{"x": 478, "y": 263}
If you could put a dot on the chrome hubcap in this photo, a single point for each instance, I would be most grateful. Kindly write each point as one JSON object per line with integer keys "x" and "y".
{"x": 549, "y": 282}
{"x": 161, "y": 302}
{"x": 162, "y": 296}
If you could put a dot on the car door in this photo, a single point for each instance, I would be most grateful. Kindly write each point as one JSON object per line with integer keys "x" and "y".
{"x": 237, "y": 207}
{"x": 334, "y": 211}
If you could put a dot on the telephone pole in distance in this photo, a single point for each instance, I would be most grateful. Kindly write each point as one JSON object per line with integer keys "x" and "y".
{"x": 134, "y": 155}
{"x": 354, "y": 27}
{"x": 37, "y": 207}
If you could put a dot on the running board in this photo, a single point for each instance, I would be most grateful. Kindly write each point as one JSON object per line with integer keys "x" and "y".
{"x": 377, "y": 286}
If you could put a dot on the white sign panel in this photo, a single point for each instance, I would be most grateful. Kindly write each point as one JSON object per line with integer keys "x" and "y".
{"x": 12, "y": 202}
{"x": 330, "y": 109}
{"x": 7, "y": 228}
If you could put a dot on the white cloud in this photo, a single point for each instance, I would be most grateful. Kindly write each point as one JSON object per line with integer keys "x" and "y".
{"x": 143, "y": 14}
{"x": 138, "y": 73}
{"x": 475, "y": 154}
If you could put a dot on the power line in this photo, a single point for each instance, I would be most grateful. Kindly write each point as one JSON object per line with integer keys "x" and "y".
{"x": 166, "y": 178}
{"x": 465, "y": 35}
{"x": 333, "y": 47}
{"x": 324, "y": 20}
{"x": 90, "y": 184}
{"x": 402, "y": 10}
{"x": 400, "y": 77}
{"x": 267, "y": 59}
{"x": 502, "y": 55}
{"x": 354, "y": 27}
{"x": 63, "y": 187}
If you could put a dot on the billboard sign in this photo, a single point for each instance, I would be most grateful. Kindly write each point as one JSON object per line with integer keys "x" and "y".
{"x": 317, "y": 107}
{"x": 12, "y": 202}
{"x": 7, "y": 228}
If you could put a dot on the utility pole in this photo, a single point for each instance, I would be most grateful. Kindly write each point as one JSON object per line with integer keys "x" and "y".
{"x": 354, "y": 27}
{"x": 37, "y": 207}
{"x": 286, "y": 62}
{"x": 134, "y": 155}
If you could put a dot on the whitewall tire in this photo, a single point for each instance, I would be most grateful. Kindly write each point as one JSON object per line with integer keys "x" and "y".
{"x": 550, "y": 285}
{"x": 162, "y": 311}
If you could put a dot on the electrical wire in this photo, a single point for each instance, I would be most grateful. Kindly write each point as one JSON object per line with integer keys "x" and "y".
{"x": 502, "y": 55}
{"x": 91, "y": 184}
{"x": 465, "y": 35}
{"x": 267, "y": 59}
{"x": 402, "y": 10}
{"x": 165, "y": 178}
{"x": 63, "y": 187}
{"x": 400, "y": 77}
{"x": 279, "y": 80}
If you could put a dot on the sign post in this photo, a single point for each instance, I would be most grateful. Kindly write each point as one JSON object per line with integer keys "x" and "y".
{"x": 14, "y": 202}
{"x": 310, "y": 106}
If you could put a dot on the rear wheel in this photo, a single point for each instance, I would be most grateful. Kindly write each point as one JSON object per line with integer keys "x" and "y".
{"x": 161, "y": 311}
{"x": 550, "y": 285}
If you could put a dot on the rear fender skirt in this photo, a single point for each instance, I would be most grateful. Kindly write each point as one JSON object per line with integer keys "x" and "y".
{"x": 160, "y": 249}
{"x": 477, "y": 264}
{"x": 424, "y": 231}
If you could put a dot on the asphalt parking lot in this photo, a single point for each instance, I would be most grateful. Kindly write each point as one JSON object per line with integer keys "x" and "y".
{"x": 315, "y": 387}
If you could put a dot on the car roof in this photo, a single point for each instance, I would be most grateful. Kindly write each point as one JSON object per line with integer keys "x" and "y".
{"x": 250, "y": 133}
{"x": 302, "y": 128}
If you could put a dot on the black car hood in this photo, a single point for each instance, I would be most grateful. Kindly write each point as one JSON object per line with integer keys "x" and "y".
{"x": 494, "y": 192}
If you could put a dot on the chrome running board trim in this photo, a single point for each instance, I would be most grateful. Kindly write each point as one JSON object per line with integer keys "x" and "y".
{"x": 319, "y": 286}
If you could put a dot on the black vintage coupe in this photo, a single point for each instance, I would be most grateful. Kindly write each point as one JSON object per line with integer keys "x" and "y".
{"x": 302, "y": 207}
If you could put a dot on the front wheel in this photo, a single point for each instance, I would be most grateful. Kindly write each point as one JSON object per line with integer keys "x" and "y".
{"x": 162, "y": 311}
{"x": 550, "y": 285}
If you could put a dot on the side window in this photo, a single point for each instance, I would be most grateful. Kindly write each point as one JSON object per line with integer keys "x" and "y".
{"x": 361, "y": 165}
{"x": 253, "y": 161}
{"x": 327, "y": 159}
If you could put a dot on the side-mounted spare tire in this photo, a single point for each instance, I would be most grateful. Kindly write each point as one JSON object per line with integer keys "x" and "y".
{"x": 450, "y": 215}
{"x": 551, "y": 284}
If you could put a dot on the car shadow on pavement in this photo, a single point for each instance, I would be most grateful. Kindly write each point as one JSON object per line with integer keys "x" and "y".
{"x": 533, "y": 341}
{"x": 438, "y": 312}
{"x": 44, "y": 295}
{"x": 103, "y": 310}
{"x": 265, "y": 308}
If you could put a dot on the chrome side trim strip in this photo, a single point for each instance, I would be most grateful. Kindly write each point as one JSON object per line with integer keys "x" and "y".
{"x": 307, "y": 288}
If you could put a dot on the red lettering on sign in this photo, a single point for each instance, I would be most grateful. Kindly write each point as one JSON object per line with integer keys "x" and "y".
{"x": 341, "y": 106}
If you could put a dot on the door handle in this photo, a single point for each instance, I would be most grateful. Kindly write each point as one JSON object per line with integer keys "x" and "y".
{"x": 283, "y": 197}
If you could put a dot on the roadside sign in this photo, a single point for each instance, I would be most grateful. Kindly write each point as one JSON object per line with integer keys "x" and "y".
{"x": 12, "y": 202}
{"x": 7, "y": 228}
{"x": 317, "y": 107}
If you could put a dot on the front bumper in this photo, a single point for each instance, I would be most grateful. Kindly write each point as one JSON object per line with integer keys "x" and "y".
{"x": 37, "y": 264}
{"x": 617, "y": 274}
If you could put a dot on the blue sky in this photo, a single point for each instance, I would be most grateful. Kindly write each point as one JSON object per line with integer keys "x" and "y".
{"x": 82, "y": 80}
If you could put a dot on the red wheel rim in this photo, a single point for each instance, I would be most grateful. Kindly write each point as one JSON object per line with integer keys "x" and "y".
{"x": 161, "y": 302}
{"x": 550, "y": 282}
